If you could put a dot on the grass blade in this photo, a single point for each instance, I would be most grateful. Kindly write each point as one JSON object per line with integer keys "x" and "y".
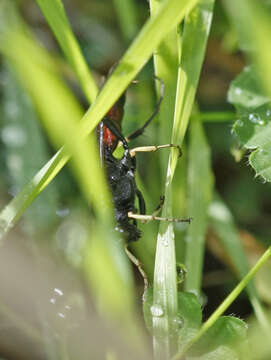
{"x": 191, "y": 54}
{"x": 224, "y": 226}
{"x": 170, "y": 14}
{"x": 17, "y": 206}
{"x": 165, "y": 288}
{"x": 56, "y": 16}
{"x": 116, "y": 292}
{"x": 195, "y": 35}
{"x": 127, "y": 15}
{"x": 199, "y": 196}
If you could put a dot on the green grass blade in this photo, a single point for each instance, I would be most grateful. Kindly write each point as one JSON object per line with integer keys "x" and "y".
{"x": 127, "y": 14}
{"x": 56, "y": 16}
{"x": 166, "y": 67}
{"x": 165, "y": 287}
{"x": 195, "y": 35}
{"x": 170, "y": 14}
{"x": 57, "y": 117}
{"x": 224, "y": 226}
{"x": 217, "y": 116}
{"x": 196, "y": 31}
{"x": 200, "y": 186}
{"x": 17, "y": 206}
{"x": 116, "y": 292}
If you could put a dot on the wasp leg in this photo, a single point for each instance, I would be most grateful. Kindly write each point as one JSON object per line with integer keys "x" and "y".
{"x": 158, "y": 209}
{"x": 160, "y": 206}
{"x": 138, "y": 264}
{"x": 140, "y": 131}
{"x": 153, "y": 148}
{"x": 144, "y": 218}
{"x": 112, "y": 127}
{"x": 142, "y": 204}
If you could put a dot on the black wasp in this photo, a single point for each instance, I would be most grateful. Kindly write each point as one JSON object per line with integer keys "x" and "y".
{"x": 121, "y": 173}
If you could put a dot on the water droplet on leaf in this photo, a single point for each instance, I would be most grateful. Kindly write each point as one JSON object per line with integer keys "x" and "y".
{"x": 157, "y": 311}
{"x": 179, "y": 322}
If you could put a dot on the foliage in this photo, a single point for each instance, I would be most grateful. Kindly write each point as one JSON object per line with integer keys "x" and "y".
{"x": 65, "y": 245}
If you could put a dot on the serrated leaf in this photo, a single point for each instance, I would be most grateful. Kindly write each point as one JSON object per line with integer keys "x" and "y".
{"x": 260, "y": 160}
{"x": 245, "y": 90}
{"x": 227, "y": 333}
{"x": 221, "y": 353}
{"x": 253, "y": 126}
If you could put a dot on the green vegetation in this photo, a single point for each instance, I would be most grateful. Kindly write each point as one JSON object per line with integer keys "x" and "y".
{"x": 67, "y": 286}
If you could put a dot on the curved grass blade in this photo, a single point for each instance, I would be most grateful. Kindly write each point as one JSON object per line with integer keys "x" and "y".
{"x": 56, "y": 16}
{"x": 17, "y": 206}
{"x": 55, "y": 115}
{"x": 191, "y": 54}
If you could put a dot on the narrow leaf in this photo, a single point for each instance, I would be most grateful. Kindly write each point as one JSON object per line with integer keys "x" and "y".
{"x": 200, "y": 185}
{"x": 191, "y": 54}
{"x": 56, "y": 16}
{"x": 223, "y": 223}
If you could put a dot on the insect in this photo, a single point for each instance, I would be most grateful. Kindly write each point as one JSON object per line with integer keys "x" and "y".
{"x": 121, "y": 175}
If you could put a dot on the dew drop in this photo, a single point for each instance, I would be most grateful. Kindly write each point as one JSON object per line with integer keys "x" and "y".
{"x": 157, "y": 311}
{"x": 255, "y": 119}
{"x": 58, "y": 291}
{"x": 12, "y": 109}
{"x": 238, "y": 91}
{"x": 15, "y": 163}
{"x": 268, "y": 112}
{"x": 63, "y": 212}
{"x": 181, "y": 272}
{"x": 165, "y": 243}
{"x": 61, "y": 315}
{"x": 13, "y": 135}
{"x": 178, "y": 322}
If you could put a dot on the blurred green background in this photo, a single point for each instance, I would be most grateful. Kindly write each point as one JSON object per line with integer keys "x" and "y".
{"x": 61, "y": 218}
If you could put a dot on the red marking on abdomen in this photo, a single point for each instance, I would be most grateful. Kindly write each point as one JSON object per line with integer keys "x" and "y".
{"x": 109, "y": 138}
